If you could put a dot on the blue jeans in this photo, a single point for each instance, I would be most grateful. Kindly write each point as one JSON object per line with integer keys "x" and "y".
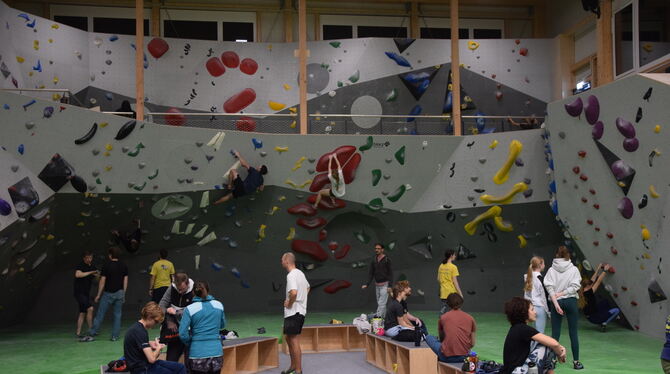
{"x": 435, "y": 345}
{"x": 613, "y": 313}
{"x": 395, "y": 330}
{"x": 163, "y": 367}
{"x": 382, "y": 295}
{"x": 108, "y": 299}
{"x": 541, "y": 321}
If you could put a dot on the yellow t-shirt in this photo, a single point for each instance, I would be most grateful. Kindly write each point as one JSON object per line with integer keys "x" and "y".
{"x": 162, "y": 270}
{"x": 445, "y": 274}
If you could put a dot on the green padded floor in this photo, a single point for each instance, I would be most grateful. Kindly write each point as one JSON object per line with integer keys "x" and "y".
{"x": 53, "y": 349}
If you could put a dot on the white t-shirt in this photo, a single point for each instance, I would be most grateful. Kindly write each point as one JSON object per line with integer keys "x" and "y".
{"x": 295, "y": 280}
{"x": 335, "y": 186}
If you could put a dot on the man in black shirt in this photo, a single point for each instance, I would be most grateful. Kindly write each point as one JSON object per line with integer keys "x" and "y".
{"x": 140, "y": 353}
{"x": 114, "y": 282}
{"x": 84, "y": 274}
{"x": 381, "y": 272}
{"x": 397, "y": 316}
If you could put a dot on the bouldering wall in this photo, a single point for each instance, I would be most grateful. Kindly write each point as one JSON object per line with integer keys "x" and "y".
{"x": 370, "y": 76}
{"x": 608, "y": 146}
{"x": 417, "y": 194}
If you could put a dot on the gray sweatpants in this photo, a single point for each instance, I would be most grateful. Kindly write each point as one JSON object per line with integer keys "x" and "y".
{"x": 382, "y": 297}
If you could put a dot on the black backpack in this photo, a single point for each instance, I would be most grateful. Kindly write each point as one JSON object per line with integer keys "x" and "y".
{"x": 116, "y": 366}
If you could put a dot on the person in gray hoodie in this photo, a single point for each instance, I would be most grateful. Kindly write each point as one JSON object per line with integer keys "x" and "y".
{"x": 563, "y": 282}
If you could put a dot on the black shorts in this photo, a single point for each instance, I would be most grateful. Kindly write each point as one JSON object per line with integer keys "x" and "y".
{"x": 238, "y": 187}
{"x": 84, "y": 302}
{"x": 293, "y": 324}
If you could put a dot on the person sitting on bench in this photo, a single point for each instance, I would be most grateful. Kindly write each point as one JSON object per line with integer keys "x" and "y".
{"x": 141, "y": 354}
{"x": 238, "y": 187}
{"x": 457, "y": 333}
{"x": 398, "y": 318}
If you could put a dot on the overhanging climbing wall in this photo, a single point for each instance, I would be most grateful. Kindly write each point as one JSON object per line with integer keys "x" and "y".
{"x": 608, "y": 147}
{"x": 416, "y": 194}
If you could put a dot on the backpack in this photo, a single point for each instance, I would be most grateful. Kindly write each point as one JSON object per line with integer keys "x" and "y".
{"x": 116, "y": 366}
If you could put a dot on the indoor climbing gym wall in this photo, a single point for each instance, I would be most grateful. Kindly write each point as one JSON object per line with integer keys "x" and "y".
{"x": 352, "y": 76}
{"x": 416, "y": 194}
{"x": 608, "y": 146}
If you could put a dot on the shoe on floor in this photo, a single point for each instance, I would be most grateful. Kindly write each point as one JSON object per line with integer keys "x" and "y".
{"x": 114, "y": 338}
{"x": 87, "y": 339}
{"x": 578, "y": 365}
{"x": 603, "y": 327}
{"x": 288, "y": 371}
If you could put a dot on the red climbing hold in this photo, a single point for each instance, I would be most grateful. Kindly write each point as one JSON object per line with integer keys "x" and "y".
{"x": 333, "y": 245}
{"x": 157, "y": 47}
{"x": 343, "y": 154}
{"x": 592, "y": 191}
{"x": 302, "y": 209}
{"x": 585, "y": 200}
{"x": 614, "y": 251}
{"x": 310, "y": 248}
{"x": 610, "y": 235}
{"x": 349, "y": 170}
{"x": 230, "y": 59}
{"x": 597, "y": 228}
{"x": 215, "y": 67}
{"x": 589, "y": 221}
{"x": 581, "y": 154}
{"x": 596, "y": 243}
{"x": 633, "y": 303}
{"x": 342, "y": 252}
{"x": 322, "y": 235}
{"x": 612, "y": 270}
{"x": 239, "y": 101}
{"x": 624, "y": 288}
{"x": 176, "y": 119}
{"x": 597, "y": 206}
{"x": 576, "y": 170}
{"x": 337, "y": 286}
{"x": 583, "y": 177}
{"x": 248, "y": 66}
{"x": 319, "y": 182}
{"x": 245, "y": 124}
{"x": 311, "y": 223}
{"x": 523, "y": 52}
{"x": 517, "y": 42}
{"x": 327, "y": 203}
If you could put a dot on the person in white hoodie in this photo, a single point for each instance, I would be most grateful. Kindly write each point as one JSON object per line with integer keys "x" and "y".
{"x": 533, "y": 290}
{"x": 563, "y": 282}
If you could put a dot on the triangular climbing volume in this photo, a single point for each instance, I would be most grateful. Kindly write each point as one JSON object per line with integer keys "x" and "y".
{"x": 623, "y": 173}
{"x": 417, "y": 82}
{"x": 403, "y": 43}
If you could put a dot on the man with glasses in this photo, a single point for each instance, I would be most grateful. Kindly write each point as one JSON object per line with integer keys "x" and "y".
{"x": 380, "y": 270}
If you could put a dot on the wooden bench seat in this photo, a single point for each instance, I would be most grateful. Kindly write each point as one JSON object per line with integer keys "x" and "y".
{"x": 447, "y": 368}
{"x": 326, "y": 338}
{"x": 399, "y": 357}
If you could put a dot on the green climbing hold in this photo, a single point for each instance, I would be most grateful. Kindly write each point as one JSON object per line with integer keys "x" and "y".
{"x": 324, "y": 65}
{"x": 154, "y": 175}
{"x": 367, "y": 145}
{"x": 140, "y": 188}
{"x": 392, "y": 95}
{"x": 375, "y": 204}
{"x": 335, "y": 44}
{"x": 400, "y": 155}
{"x": 340, "y": 84}
{"x": 355, "y": 76}
{"x": 136, "y": 151}
{"x": 362, "y": 236}
{"x": 98, "y": 181}
{"x": 376, "y": 176}
{"x": 108, "y": 189}
{"x": 397, "y": 194}
{"x": 391, "y": 245}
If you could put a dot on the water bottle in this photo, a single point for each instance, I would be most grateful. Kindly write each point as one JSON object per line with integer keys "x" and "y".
{"x": 532, "y": 368}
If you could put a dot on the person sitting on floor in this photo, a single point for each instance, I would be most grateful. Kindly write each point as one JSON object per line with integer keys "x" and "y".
{"x": 457, "y": 332}
{"x": 141, "y": 354}
{"x": 398, "y": 317}
{"x": 524, "y": 345}
{"x": 596, "y": 310}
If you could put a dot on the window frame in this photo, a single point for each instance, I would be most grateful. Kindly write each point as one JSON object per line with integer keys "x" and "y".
{"x": 355, "y": 21}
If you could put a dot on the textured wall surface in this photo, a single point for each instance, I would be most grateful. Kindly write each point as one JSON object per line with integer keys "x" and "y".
{"x": 607, "y": 193}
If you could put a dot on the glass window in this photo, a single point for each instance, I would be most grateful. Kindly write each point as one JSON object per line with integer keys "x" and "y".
{"x": 80, "y": 23}
{"x": 203, "y": 30}
{"x": 123, "y": 26}
{"x": 238, "y": 31}
{"x": 654, "y": 38}
{"x": 487, "y": 34}
{"x": 331, "y": 32}
{"x": 442, "y": 33}
{"x": 623, "y": 39}
{"x": 381, "y": 32}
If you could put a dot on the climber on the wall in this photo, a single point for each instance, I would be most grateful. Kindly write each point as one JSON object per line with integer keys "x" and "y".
{"x": 130, "y": 239}
{"x": 238, "y": 187}
{"x": 336, "y": 183}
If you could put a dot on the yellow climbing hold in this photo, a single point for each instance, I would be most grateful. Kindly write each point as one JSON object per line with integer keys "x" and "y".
{"x": 646, "y": 255}
{"x": 522, "y": 241}
{"x": 281, "y": 198}
{"x": 55, "y": 26}
{"x": 55, "y": 97}
{"x": 291, "y": 234}
{"x": 645, "y": 232}
{"x": 104, "y": 124}
{"x": 51, "y": 40}
{"x": 276, "y": 106}
{"x": 272, "y": 211}
{"x": 507, "y": 198}
{"x": 261, "y": 233}
{"x": 281, "y": 149}
{"x": 50, "y": 237}
{"x": 293, "y": 110}
{"x": 493, "y": 144}
{"x": 36, "y": 45}
{"x": 287, "y": 87}
{"x": 108, "y": 167}
{"x": 652, "y": 192}
{"x": 648, "y": 47}
{"x": 298, "y": 164}
{"x": 56, "y": 80}
{"x": 20, "y": 59}
{"x": 472, "y": 45}
{"x": 502, "y": 175}
{"x": 305, "y": 183}
{"x": 106, "y": 154}
{"x": 291, "y": 183}
{"x": 293, "y": 124}
{"x": 502, "y": 225}
{"x": 80, "y": 223}
{"x": 471, "y": 226}
{"x": 108, "y": 147}
{"x": 657, "y": 129}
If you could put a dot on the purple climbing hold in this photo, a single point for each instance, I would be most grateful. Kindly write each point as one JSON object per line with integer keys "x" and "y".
{"x": 625, "y": 128}
{"x": 575, "y": 108}
{"x": 5, "y": 208}
{"x": 631, "y": 144}
{"x": 592, "y": 109}
{"x": 625, "y": 208}
{"x": 621, "y": 170}
{"x": 48, "y": 112}
{"x": 597, "y": 130}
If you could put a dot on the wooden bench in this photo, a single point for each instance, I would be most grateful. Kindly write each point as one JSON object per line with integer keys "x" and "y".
{"x": 399, "y": 357}
{"x": 329, "y": 338}
{"x": 446, "y": 368}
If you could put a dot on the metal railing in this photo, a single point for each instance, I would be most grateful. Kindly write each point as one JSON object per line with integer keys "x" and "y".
{"x": 62, "y": 95}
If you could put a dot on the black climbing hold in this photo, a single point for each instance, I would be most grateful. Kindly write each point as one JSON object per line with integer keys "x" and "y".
{"x": 125, "y": 130}
{"x": 647, "y": 94}
{"x": 643, "y": 202}
{"x": 494, "y": 288}
{"x": 88, "y": 135}
{"x": 488, "y": 227}
{"x": 78, "y": 183}
{"x": 492, "y": 237}
{"x": 651, "y": 158}
{"x": 464, "y": 253}
{"x": 638, "y": 116}
{"x": 656, "y": 293}
{"x": 451, "y": 217}
{"x": 471, "y": 292}
{"x": 479, "y": 190}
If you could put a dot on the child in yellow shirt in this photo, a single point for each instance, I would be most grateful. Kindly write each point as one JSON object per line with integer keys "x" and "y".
{"x": 447, "y": 275}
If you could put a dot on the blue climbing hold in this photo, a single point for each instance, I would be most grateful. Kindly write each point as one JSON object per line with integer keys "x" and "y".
{"x": 398, "y": 59}
{"x": 48, "y": 112}
{"x": 109, "y": 96}
{"x": 448, "y": 103}
{"x": 414, "y": 112}
{"x": 552, "y": 186}
{"x": 5, "y": 208}
{"x": 257, "y": 143}
{"x": 21, "y": 148}
{"x": 38, "y": 67}
{"x": 235, "y": 272}
{"x": 113, "y": 38}
{"x": 6, "y": 106}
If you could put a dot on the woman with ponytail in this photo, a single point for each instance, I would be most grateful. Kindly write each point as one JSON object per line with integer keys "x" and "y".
{"x": 533, "y": 290}
{"x": 199, "y": 329}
